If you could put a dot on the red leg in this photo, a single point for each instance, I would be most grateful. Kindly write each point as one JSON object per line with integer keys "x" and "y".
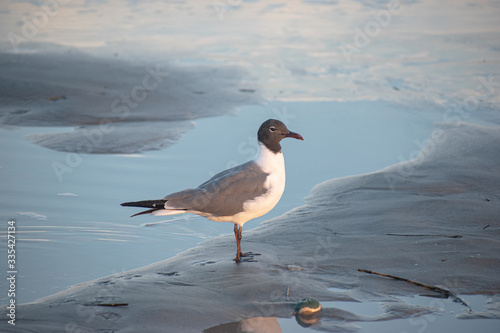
{"x": 237, "y": 235}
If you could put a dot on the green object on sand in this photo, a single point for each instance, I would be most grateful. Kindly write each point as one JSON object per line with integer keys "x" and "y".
{"x": 307, "y": 306}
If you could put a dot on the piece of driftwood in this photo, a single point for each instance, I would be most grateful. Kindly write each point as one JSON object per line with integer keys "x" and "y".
{"x": 107, "y": 304}
{"x": 425, "y": 235}
{"x": 444, "y": 293}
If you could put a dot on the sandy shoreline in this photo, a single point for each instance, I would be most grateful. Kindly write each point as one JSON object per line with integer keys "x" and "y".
{"x": 398, "y": 227}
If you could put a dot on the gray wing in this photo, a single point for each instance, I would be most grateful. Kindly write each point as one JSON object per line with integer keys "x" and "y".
{"x": 224, "y": 194}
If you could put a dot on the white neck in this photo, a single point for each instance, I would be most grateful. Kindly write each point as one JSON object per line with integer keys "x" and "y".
{"x": 268, "y": 161}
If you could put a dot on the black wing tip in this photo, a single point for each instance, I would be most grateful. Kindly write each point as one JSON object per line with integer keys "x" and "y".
{"x": 145, "y": 212}
{"x": 151, "y": 204}
{"x": 145, "y": 203}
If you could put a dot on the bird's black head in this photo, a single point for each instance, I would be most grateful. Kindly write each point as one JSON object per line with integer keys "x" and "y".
{"x": 272, "y": 131}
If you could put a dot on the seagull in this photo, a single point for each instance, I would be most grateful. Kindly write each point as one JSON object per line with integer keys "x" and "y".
{"x": 235, "y": 195}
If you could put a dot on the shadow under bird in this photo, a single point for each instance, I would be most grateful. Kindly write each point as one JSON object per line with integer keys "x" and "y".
{"x": 236, "y": 195}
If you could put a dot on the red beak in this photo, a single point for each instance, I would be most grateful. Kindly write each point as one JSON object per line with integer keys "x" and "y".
{"x": 294, "y": 135}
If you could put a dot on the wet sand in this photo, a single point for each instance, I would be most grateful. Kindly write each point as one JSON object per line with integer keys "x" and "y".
{"x": 433, "y": 219}
{"x": 105, "y": 102}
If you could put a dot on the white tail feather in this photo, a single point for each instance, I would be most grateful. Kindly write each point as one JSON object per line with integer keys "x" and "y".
{"x": 164, "y": 212}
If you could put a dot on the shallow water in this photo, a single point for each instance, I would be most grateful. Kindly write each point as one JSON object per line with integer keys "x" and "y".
{"x": 358, "y": 113}
{"x": 82, "y": 217}
{"x": 443, "y": 318}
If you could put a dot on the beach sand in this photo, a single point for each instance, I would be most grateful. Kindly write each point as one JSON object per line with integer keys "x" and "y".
{"x": 433, "y": 219}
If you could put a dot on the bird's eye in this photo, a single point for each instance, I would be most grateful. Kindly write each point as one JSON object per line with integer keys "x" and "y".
{"x": 272, "y": 128}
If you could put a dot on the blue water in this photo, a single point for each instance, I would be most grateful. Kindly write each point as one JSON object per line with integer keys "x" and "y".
{"x": 442, "y": 319}
{"x": 86, "y": 233}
